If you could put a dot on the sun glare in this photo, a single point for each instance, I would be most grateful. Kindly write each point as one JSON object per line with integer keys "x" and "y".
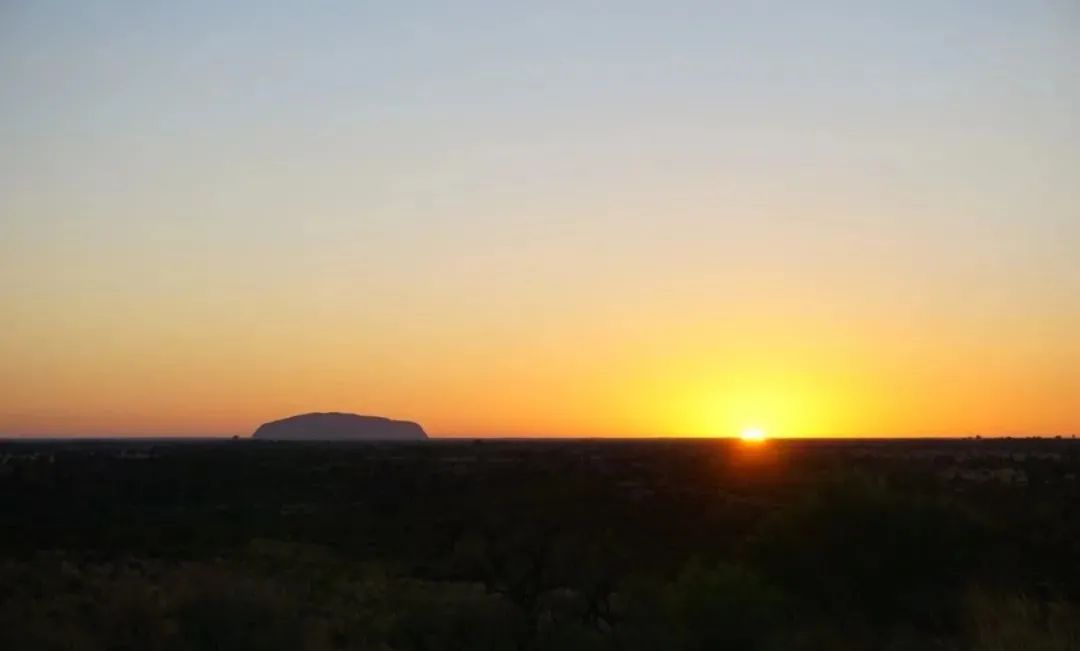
{"x": 753, "y": 435}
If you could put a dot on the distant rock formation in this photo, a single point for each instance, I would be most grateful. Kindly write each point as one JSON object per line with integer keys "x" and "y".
{"x": 340, "y": 427}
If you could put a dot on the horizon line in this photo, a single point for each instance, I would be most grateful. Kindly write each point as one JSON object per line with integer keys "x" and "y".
{"x": 529, "y": 437}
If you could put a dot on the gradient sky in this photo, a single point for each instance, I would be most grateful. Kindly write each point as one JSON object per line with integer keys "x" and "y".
{"x": 553, "y": 218}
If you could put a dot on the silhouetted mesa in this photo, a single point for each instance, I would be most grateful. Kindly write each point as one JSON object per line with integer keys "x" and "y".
{"x": 340, "y": 427}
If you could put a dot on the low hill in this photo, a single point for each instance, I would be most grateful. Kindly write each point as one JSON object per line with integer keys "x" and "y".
{"x": 340, "y": 427}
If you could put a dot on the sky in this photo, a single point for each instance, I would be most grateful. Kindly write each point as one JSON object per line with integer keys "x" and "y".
{"x": 580, "y": 218}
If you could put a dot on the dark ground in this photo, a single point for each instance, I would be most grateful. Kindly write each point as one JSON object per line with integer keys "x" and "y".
{"x": 956, "y": 544}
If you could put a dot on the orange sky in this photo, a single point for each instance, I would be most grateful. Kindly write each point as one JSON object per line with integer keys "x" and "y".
{"x": 614, "y": 370}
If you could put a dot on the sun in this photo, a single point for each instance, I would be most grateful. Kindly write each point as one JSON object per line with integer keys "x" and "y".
{"x": 753, "y": 435}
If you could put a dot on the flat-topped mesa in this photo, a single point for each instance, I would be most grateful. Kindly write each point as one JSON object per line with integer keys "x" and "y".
{"x": 340, "y": 427}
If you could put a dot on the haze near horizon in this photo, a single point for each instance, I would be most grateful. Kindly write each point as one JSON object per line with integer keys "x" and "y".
{"x": 561, "y": 219}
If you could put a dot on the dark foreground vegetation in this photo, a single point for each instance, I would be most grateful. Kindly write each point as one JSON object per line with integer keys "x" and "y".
{"x": 540, "y": 545}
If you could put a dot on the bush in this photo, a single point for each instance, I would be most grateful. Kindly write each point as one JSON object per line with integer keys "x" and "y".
{"x": 1008, "y": 623}
{"x": 860, "y": 549}
{"x": 721, "y": 607}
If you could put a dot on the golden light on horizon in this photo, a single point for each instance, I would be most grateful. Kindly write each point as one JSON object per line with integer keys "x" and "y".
{"x": 753, "y": 435}
{"x": 770, "y": 401}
